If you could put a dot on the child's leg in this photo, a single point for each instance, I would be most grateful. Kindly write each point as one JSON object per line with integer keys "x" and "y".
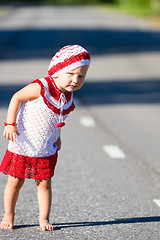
{"x": 11, "y": 194}
{"x": 44, "y": 200}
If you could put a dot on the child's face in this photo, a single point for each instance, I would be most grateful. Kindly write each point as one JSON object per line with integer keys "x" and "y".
{"x": 72, "y": 80}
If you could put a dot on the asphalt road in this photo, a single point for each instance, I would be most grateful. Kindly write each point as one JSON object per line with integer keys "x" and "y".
{"x": 107, "y": 181}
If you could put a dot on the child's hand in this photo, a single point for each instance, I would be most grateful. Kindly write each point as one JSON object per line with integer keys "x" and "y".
{"x": 10, "y": 132}
{"x": 58, "y": 144}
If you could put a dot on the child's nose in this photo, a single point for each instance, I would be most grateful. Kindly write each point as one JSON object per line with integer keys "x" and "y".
{"x": 75, "y": 79}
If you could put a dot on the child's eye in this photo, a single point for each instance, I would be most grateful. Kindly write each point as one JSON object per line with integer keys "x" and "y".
{"x": 70, "y": 73}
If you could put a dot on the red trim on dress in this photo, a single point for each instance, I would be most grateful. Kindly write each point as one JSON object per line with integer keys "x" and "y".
{"x": 51, "y": 106}
{"x": 28, "y": 167}
{"x": 53, "y": 86}
{"x": 54, "y": 91}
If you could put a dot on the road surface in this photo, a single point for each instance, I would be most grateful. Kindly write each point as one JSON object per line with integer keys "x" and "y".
{"x": 107, "y": 181}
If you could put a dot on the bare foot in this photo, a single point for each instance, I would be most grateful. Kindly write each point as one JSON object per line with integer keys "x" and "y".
{"x": 46, "y": 226}
{"x": 7, "y": 222}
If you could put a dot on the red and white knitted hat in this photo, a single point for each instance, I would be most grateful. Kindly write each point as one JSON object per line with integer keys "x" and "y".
{"x": 67, "y": 59}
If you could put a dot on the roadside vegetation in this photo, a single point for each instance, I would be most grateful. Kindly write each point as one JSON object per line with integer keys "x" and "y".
{"x": 143, "y": 8}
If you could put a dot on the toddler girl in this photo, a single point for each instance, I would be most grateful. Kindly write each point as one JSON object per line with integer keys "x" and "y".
{"x": 35, "y": 115}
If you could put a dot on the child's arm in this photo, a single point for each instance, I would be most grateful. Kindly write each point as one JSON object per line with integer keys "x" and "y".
{"x": 30, "y": 92}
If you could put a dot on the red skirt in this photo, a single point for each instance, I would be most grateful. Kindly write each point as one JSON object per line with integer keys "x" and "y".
{"x": 28, "y": 167}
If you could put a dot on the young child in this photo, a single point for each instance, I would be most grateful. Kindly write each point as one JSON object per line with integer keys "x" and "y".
{"x": 33, "y": 129}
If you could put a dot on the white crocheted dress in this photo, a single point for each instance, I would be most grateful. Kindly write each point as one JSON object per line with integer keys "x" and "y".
{"x": 33, "y": 154}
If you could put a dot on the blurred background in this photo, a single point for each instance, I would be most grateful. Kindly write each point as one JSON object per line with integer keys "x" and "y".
{"x": 108, "y": 171}
{"x": 145, "y": 7}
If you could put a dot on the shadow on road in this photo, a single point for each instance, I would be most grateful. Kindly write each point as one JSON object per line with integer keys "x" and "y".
{"x": 104, "y": 92}
{"x": 25, "y": 226}
{"x": 116, "y": 221}
{"x": 42, "y": 43}
{"x": 138, "y": 91}
{"x": 6, "y": 92}
{"x": 59, "y": 226}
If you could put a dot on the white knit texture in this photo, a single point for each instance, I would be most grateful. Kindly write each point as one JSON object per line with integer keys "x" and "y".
{"x": 38, "y": 132}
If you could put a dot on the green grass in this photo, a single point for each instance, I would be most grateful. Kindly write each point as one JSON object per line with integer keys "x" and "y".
{"x": 136, "y": 11}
